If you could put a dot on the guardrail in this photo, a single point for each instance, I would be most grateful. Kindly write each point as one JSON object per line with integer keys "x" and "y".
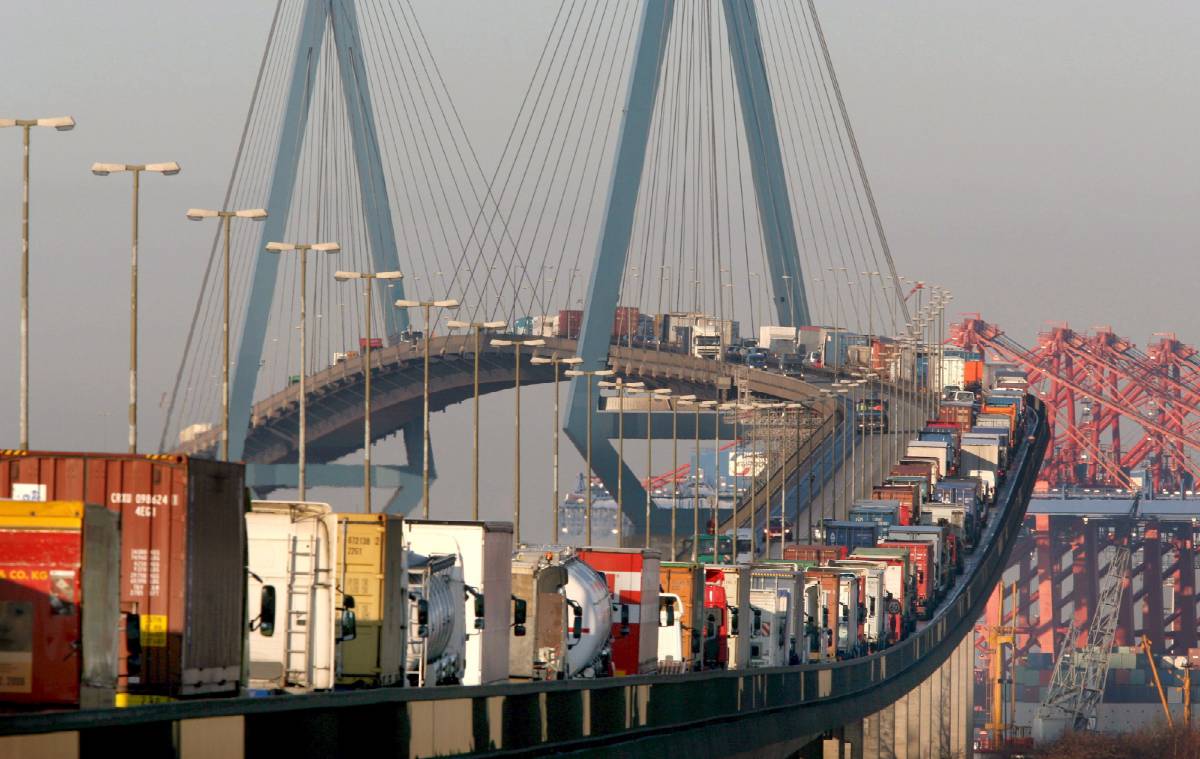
{"x": 690, "y": 713}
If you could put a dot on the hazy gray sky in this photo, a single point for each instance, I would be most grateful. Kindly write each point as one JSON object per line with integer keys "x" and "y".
{"x": 1037, "y": 158}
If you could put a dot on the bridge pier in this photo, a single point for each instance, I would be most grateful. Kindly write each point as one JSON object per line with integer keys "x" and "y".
{"x": 931, "y": 721}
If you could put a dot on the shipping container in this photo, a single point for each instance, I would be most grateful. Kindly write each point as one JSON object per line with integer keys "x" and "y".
{"x": 786, "y": 581}
{"x": 562, "y": 621}
{"x": 376, "y": 343}
{"x": 883, "y": 513}
{"x": 850, "y": 534}
{"x": 874, "y": 601}
{"x": 958, "y": 413}
{"x": 485, "y": 551}
{"x": 819, "y": 554}
{"x": 183, "y": 558}
{"x": 372, "y": 570}
{"x": 625, "y": 324}
{"x": 925, "y": 573}
{"x": 944, "y": 559}
{"x": 632, "y": 577}
{"x": 569, "y": 322}
{"x": 59, "y": 600}
{"x": 908, "y": 495}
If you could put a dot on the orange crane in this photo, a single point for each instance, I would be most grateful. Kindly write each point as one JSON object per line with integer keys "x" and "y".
{"x": 1162, "y": 696}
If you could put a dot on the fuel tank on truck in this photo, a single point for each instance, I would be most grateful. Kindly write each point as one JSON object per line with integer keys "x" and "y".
{"x": 484, "y": 549}
{"x": 568, "y": 608}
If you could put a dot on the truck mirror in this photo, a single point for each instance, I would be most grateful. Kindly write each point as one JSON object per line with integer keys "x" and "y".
{"x": 695, "y": 644}
{"x": 520, "y": 605}
{"x": 422, "y": 611}
{"x": 266, "y": 611}
{"x": 669, "y": 608}
{"x": 478, "y": 606}
{"x": 349, "y": 625}
{"x": 733, "y": 620}
{"x": 757, "y": 619}
{"x": 624, "y": 619}
{"x": 519, "y": 631}
{"x": 347, "y": 602}
{"x": 577, "y": 621}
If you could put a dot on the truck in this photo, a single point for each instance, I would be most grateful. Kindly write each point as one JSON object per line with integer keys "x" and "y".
{"x": 980, "y": 457}
{"x": 60, "y": 619}
{"x": 875, "y": 600}
{"x": 703, "y": 624}
{"x": 959, "y": 413}
{"x": 907, "y": 494}
{"x": 925, "y": 572}
{"x": 732, "y": 583}
{"x": 786, "y": 580}
{"x": 961, "y": 523}
{"x": 632, "y": 577}
{"x": 298, "y": 613}
{"x": 939, "y": 449}
{"x": 872, "y": 415}
{"x": 562, "y": 617}
{"x": 182, "y": 569}
{"x": 841, "y": 593}
{"x": 968, "y": 492}
{"x": 883, "y": 513}
{"x": 484, "y": 551}
{"x": 850, "y": 534}
{"x": 897, "y": 590}
{"x": 371, "y": 569}
{"x": 814, "y": 552}
{"x": 944, "y": 556}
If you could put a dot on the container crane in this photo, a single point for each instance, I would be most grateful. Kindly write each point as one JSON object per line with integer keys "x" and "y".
{"x": 1079, "y": 674}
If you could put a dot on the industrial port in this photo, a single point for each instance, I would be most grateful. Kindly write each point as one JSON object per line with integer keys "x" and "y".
{"x": 719, "y": 471}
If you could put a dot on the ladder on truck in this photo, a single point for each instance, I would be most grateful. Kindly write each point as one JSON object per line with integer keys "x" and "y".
{"x": 1077, "y": 685}
{"x": 303, "y": 569}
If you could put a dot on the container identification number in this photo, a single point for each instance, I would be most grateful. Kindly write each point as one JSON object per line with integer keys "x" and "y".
{"x": 145, "y": 502}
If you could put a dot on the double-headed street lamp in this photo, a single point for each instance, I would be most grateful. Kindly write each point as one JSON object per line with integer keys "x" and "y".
{"x": 426, "y": 305}
{"x": 344, "y": 276}
{"x": 556, "y": 360}
{"x": 591, "y": 409}
{"x": 621, "y": 386}
{"x": 198, "y": 214}
{"x": 516, "y": 343}
{"x": 302, "y": 249}
{"x": 477, "y": 327}
{"x": 103, "y": 170}
{"x": 62, "y": 124}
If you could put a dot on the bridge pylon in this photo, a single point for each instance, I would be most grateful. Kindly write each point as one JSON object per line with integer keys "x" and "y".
{"x": 745, "y": 49}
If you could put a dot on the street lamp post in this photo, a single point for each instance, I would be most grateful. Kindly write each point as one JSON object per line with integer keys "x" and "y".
{"x": 103, "y": 170}
{"x": 198, "y": 214}
{"x": 62, "y": 124}
{"x": 651, "y": 395}
{"x": 556, "y": 360}
{"x": 675, "y": 467}
{"x": 477, "y": 328}
{"x": 516, "y": 343}
{"x": 426, "y": 306}
{"x": 621, "y": 386}
{"x": 343, "y": 276}
{"x": 302, "y": 436}
{"x": 796, "y": 409}
{"x": 587, "y": 514}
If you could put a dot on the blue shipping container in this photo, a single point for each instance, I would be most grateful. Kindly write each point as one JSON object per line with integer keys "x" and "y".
{"x": 851, "y": 534}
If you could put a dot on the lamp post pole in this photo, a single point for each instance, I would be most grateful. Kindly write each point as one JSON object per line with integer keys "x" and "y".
{"x": 342, "y": 276}
{"x": 426, "y": 306}
{"x": 588, "y": 374}
{"x": 302, "y": 431}
{"x": 104, "y": 169}
{"x": 516, "y": 343}
{"x": 62, "y": 124}
{"x": 197, "y": 214}
{"x": 556, "y": 360}
{"x": 477, "y": 328}
{"x": 620, "y": 386}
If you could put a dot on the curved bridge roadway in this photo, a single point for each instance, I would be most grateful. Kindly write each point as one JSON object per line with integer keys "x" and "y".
{"x": 763, "y": 712}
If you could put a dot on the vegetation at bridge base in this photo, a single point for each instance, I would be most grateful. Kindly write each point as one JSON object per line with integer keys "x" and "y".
{"x": 1153, "y": 742}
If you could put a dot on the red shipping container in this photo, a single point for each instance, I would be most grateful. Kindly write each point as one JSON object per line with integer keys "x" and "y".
{"x": 921, "y": 556}
{"x": 183, "y": 548}
{"x": 819, "y": 553}
{"x": 376, "y": 343}
{"x": 625, "y": 322}
{"x": 58, "y": 604}
{"x": 907, "y": 495}
{"x": 632, "y": 577}
{"x": 569, "y": 322}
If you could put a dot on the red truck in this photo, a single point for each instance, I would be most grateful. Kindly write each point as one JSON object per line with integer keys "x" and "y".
{"x": 632, "y": 575}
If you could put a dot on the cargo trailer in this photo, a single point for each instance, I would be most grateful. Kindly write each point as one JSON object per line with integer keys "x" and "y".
{"x": 851, "y": 535}
{"x": 732, "y": 581}
{"x": 484, "y": 550}
{"x": 814, "y": 552}
{"x": 632, "y": 578}
{"x": 562, "y": 619}
{"x": 874, "y": 601}
{"x": 372, "y": 570}
{"x": 59, "y": 605}
{"x": 685, "y": 583}
{"x": 183, "y": 561}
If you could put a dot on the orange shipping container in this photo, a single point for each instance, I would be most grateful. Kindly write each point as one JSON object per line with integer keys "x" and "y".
{"x": 973, "y": 373}
{"x": 687, "y": 582}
